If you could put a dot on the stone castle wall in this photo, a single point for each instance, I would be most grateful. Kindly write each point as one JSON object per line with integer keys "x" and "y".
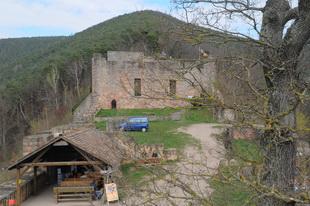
{"x": 113, "y": 80}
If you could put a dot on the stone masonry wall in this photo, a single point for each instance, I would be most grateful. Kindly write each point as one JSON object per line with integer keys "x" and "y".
{"x": 113, "y": 79}
{"x": 8, "y": 189}
{"x": 32, "y": 142}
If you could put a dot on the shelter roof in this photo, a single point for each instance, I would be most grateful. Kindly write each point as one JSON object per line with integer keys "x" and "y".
{"x": 91, "y": 141}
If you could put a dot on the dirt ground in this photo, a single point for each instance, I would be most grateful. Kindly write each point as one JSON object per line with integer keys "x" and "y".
{"x": 200, "y": 163}
{"x": 211, "y": 149}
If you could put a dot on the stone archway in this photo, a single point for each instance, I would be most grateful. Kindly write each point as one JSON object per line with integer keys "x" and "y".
{"x": 113, "y": 104}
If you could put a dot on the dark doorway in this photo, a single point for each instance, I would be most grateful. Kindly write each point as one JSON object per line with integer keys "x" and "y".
{"x": 113, "y": 104}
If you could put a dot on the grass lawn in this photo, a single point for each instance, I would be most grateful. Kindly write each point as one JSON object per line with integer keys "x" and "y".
{"x": 232, "y": 192}
{"x": 165, "y": 132}
{"x": 135, "y": 112}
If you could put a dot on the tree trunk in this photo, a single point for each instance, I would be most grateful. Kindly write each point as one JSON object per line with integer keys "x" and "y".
{"x": 279, "y": 140}
{"x": 281, "y": 80}
{"x": 279, "y": 168}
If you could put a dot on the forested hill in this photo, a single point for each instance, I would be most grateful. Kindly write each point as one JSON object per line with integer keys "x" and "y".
{"x": 11, "y": 49}
{"x": 30, "y": 58}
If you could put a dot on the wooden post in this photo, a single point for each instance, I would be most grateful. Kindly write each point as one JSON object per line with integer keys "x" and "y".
{"x": 35, "y": 180}
{"x": 105, "y": 176}
{"x": 18, "y": 190}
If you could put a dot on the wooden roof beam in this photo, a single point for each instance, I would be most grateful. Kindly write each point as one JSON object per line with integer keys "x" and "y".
{"x": 61, "y": 163}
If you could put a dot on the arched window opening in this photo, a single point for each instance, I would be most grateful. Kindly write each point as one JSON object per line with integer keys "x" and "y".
{"x": 113, "y": 104}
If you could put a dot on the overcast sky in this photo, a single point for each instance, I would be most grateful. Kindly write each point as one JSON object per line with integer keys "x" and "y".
{"x": 32, "y": 18}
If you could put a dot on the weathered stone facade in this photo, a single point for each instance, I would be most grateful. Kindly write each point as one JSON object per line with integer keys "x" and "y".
{"x": 130, "y": 80}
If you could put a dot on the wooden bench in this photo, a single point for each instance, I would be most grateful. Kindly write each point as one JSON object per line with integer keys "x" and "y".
{"x": 94, "y": 175}
{"x": 73, "y": 193}
{"x": 75, "y": 183}
{"x": 147, "y": 161}
{"x": 79, "y": 179}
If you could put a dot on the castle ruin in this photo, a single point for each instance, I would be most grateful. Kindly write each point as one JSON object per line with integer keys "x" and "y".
{"x": 130, "y": 80}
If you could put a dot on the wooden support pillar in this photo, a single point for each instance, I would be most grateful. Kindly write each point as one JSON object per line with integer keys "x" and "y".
{"x": 18, "y": 189}
{"x": 35, "y": 180}
{"x": 105, "y": 176}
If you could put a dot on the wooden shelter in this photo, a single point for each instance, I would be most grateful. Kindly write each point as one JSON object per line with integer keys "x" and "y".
{"x": 87, "y": 147}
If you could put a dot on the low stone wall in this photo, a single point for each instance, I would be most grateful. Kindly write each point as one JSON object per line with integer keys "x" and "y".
{"x": 63, "y": 129}
{"x": 147, "y": 150}
{"x": 32, "y": 142}
{"x": 112, "y": 122}
{"x": 151, "y": 118}
{"x": 244, "y": 133}
{"x": 170, "y": 154}
{"x": 8, "y": 189}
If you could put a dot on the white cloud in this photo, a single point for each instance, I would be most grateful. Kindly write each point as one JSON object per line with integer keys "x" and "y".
{"x": 73, "y": 15}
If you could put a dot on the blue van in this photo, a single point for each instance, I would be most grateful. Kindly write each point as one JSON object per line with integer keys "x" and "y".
{"x": 135, "y": 123}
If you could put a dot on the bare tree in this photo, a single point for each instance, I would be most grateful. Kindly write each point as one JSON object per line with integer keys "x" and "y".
{"x": 75, "y": 70}
{"x": 278, "y": 48}
{"x": 9, "y": 123}
{"x": 52, "y": 80}
{"x": 3, "y": 132}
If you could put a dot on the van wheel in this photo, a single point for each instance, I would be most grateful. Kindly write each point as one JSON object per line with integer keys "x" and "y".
{"x": 143, "y": 129}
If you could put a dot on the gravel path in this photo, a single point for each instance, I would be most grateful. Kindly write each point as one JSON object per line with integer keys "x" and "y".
{"x": 212, "y": 151}
{"x": 199, "y": 164}
{"x": 194, "y": 169}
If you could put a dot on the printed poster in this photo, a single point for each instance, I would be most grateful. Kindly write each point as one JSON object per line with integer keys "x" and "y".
{"x": 111, "y": 192}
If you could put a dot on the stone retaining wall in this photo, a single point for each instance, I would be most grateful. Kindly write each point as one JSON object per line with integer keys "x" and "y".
{"x": 177, "y": 116}
{"x": 8, "y": 189}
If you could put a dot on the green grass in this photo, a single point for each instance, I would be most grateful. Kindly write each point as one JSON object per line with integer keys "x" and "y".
{"x": 164, "y": 132}
{"x": 198, "y": 116}
{"x": 234, "y": 192}
{"x": 246, "y": 150}
{"x": 136, "y": 175}
{"x": 134, "y": 112}
{"x": 101, "y": 125}
{"x": 231, "y": 194}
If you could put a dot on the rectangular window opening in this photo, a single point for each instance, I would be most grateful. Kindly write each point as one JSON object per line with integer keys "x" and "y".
{"x": 172, "y": 87}
{"x": 137, "y": 85}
